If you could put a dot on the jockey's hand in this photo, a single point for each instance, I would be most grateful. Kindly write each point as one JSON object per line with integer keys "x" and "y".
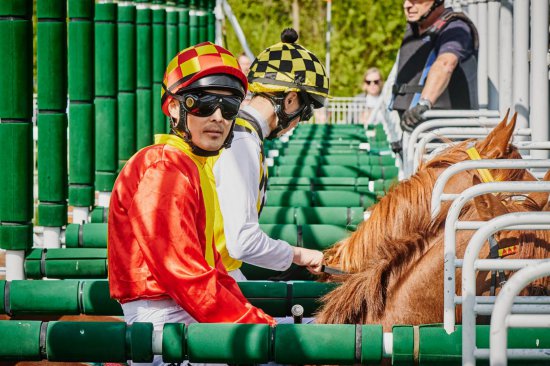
{"x": 413, "y": 117}
{"x": 312, "y": 259}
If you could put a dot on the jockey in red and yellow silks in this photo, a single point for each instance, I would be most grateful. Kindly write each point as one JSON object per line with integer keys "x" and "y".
{"x": 161, "y": 250}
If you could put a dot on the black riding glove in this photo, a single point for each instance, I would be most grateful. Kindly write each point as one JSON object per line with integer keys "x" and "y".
{"x": 396, "y": 146}
{"x": 413, "y": 117}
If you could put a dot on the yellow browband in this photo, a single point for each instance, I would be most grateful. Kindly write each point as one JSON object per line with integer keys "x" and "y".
{"x": 486, "y": 175}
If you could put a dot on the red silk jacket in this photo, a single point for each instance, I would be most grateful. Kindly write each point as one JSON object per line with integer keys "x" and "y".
{"x": 160, "y": 233}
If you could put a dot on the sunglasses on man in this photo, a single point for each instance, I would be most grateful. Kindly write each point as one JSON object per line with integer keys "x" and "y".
{"x": 204, "y": 104}
{"x": 376, "y": 82}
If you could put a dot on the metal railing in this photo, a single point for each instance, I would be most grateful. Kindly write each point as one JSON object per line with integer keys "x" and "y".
{"x": 511, "y": 221}
{"x": 502, "y": 317}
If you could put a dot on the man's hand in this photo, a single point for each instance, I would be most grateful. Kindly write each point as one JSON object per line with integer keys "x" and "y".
{"x": 312, "y": 259}
{"x": 413, "y": 117}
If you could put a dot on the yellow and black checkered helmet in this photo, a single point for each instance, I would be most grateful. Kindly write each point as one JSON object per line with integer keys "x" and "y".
{"x": 287, "y": 66}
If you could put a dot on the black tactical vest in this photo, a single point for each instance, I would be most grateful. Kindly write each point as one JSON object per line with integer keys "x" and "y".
{"x": 416, "y": 56}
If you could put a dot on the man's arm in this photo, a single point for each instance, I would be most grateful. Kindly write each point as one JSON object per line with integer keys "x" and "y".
{"x": 437, "y": 81}
{"x": 453, "y": 45}
{"x": 237, "y": 178}
{"x": 439, "y": 76}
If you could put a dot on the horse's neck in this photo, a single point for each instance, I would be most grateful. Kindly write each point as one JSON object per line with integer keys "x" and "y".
{"x": 399, "y": 220}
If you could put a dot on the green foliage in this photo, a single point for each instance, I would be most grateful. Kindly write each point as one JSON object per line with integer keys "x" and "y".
{"x": 365, "y": 33}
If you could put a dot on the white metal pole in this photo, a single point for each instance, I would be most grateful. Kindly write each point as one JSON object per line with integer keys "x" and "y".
{"x": 482, "y": 64}
{"x": 539, "y": 74}
{"x": 218, "y": 13}
{"x": 472, "y": 11}
{"x": 521, "y": 62}
{"x": 506, "y": 56}
{"x": 510, "y": 221}
{"x": 15, "y": 261}
{"x": 503, "y": 307}
{"x": 493, "y": 52}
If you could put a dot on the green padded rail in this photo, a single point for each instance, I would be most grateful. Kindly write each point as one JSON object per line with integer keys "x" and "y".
{"x": 99, "y": 215}
{"x": 89, "y": 241}
{"x": 436, "y": 347}
{"x": 349, "y": 159}
{"x": 361, "y": 184}
{"x": 335, "y": 150}
{"x": 93, "y": 235}
{"x": 197, "y": 342}
{"x": 311, "y": 171}
{"x": 340, "y": 216}
{"x": 91, "y": 297}
{"x": 315, "y": 343}
{"x": 66, "y": 263}
{"x": 217, "y": 343}
{"x": 313, "y": 184}
{"x": 20, "y": 340}
{"x": 300, "y": 198}
{"x": 82, "y": 263}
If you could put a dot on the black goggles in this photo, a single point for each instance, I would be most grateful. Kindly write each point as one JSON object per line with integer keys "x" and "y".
{"x": 204, "y": 104}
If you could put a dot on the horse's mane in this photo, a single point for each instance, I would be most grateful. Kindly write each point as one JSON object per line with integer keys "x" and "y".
{"x": 402, "y": 217}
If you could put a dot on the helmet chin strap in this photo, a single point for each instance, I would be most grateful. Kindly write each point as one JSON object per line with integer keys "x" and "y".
{"x": 182, "y": 130}
{"x": 435, "y": 4}
{"x": 283, "y": 119}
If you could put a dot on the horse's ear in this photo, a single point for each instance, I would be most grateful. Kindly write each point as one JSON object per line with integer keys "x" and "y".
{"x": 540, "y": 198}
{"x": 496, "y": 144}
{"x": 488, "y": 205}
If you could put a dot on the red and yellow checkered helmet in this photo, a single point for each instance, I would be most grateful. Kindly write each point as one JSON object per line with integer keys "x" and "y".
{"x": 197, "y": 62}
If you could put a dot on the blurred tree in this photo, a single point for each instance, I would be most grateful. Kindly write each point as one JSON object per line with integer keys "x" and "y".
{"x": 365, "y": 33}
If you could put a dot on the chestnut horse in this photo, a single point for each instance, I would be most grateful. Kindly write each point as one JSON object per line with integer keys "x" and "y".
{"x": 396, "y": 256}
{"x": 403, "y": 214}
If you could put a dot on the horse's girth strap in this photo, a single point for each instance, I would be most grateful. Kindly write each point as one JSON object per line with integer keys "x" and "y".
{"x": 486, "y": 175}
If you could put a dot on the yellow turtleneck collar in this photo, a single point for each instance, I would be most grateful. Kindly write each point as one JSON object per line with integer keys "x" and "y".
{"x": 181, "y": 145}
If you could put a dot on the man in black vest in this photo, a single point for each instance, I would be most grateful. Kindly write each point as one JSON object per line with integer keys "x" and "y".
{"x": 437, "y": 66}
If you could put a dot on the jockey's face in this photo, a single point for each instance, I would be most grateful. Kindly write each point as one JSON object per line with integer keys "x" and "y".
{"x": 414, "y": 9}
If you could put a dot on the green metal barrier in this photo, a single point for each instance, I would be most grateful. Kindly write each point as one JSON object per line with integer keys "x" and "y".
{"x": 160, "y": 122}
{"x": 81, "y": 107}
{"x": 106, "y": 93}
{"x": 340, "y": 216}
{"x": 16, "y": 195}
{"x": 313, "y": 236}
{"x": 300, "y": 198}
{"x": 247, "y": 343}
{"x": 211, "y": 21}
{"x": 172, "y": 40}
{"x": 183, "y": 24}
{"x": 382, "y": 148}
{"x": 89, "y": 236}
{"x": 361, "y": 184}
{"x": 66, "y": 263}
{"x": 91, "y": 297}
{"x": 312, "y": 171}
{"x": 51, "y": 158}
{"x": 126, "y": 27}
{"x": 202, "y": 21}
{"x": 349, "y": 159}
{"x": 216, "y": 343}
{"x": 99, "y": 215}
{"x": 193, "y": 23}
{"x": 144, "y": 115}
